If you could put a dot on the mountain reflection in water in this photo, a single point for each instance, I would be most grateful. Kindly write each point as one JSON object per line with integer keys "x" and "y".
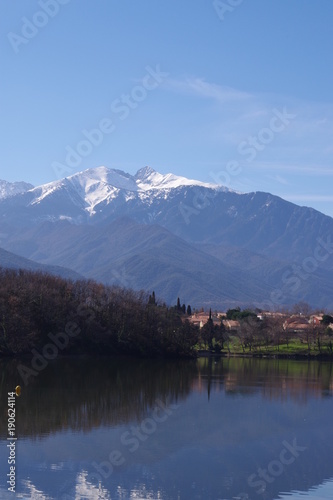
{"x": 230, "y": 419}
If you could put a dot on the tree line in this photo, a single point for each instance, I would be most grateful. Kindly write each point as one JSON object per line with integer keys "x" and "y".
{"x": 88, "y": 317}
{"x": 105, "y": 319}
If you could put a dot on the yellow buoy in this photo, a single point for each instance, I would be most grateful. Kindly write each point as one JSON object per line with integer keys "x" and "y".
{"x": 18, "y": 390}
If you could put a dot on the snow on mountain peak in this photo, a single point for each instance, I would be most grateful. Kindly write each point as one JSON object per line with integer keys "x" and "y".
{"x": 8, "y": 189}
{"x": 144, "y": 180}
{"x": 147, "y": 179}
{"x": 104, "y": 176}
{"x": 89, "y": 187}
{"x": 144, "y": 173}
{"x": 101, "y": 185}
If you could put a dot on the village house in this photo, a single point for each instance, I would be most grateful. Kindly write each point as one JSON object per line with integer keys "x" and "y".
{"x": 315, "y": 320}
{"x": 297, "y": 324}
{"x": 271, "y": 314}
{"x": 231, "y": 325}
{"x": 201, "y": 318}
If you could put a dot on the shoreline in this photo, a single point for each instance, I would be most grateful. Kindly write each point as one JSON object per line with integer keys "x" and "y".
{"x": 202, "y": 353}
{"x": 260, "y": 355}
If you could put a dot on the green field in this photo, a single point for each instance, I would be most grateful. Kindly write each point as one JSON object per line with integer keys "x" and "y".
{"x": 295, "y": 347}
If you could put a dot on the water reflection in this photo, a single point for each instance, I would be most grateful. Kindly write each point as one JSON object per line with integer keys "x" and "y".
{"x": 81, "y": 393}
{"x": 273, "y": 378}
{"x": 321, "y": 492}
{"x": 207, "y": 429}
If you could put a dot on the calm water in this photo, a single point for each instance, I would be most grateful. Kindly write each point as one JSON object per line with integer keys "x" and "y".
{"x": 207, "y": 429}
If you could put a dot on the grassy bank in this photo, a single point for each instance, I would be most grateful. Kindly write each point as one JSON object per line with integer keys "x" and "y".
{"x": 295, "y": 348}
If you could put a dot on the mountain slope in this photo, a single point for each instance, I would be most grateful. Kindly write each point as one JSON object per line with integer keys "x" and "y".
{"x": 8, "y": 260}
{"x": 193, "y": 210}
{"x": 141, "y": 257}
{"x": 290, "y": 281}
{"x": 179, "y": 230}
{"x": 82, "y": 196}
{"x": 150, "y": 257}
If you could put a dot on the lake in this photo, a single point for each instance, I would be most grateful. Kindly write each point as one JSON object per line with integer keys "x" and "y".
{"x": 106, "y": 428}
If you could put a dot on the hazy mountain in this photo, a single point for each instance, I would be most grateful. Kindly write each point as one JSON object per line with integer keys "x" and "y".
{"x": 141, "y": 256}
{"x": 182, "y": 237}
{"x": 9, "y": 260}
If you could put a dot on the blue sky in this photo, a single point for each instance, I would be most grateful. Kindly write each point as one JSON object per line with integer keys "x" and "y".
{"x": 237, "y": 92}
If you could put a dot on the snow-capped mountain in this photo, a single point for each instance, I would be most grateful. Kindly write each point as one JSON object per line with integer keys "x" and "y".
{"x": 148, "y": 179}
{"x": 98, "y": 186}
{"x": 8, "y": 189}
{"x": 177, "y": 236}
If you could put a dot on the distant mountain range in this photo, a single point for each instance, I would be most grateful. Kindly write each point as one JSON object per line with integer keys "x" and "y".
{"x": 207, "y": 244}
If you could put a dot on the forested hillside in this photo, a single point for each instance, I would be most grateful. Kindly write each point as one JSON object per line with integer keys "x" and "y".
{"x": 55, "y": 315}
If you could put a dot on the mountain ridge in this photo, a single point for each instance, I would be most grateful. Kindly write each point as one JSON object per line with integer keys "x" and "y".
{"x": 8, "y": 189}
{"x": 279, "y": 237}
{"x": 9, "y": 260}
{"x": 89, "y": 188}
